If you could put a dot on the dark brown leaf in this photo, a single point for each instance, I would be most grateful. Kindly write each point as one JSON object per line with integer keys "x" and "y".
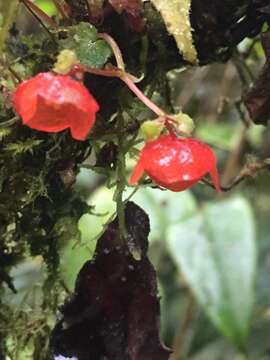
{"x": 132, "y": 7}
{"x": 114, "y": 311}
{"x": 257, "y": 100}
{"x": 79, "y": 9}
{"x": 220, "y": 25}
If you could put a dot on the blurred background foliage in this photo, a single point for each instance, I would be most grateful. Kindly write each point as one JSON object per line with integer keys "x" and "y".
{"x": 211, "y": 252}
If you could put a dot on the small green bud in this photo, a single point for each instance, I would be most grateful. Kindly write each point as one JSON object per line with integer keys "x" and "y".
{"x": 151, "y": 129}
{"x": 65, "y": 61}
{"x": 185, "y": 124}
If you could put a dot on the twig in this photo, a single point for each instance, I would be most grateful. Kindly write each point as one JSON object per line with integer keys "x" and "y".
{"x": 108, "y": 72}
{"x": 249, "y": 170}
{"x": 243, "y": 70}
{"x": 182, "y": 333}
{"x": 232, "y": 163}
{"x": 242, "y": 113}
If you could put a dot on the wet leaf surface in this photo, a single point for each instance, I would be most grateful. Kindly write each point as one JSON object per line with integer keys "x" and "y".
{"x": 82, "y": 38}
{"x": 219, "y": 262}
{"x": 114, "y": 311}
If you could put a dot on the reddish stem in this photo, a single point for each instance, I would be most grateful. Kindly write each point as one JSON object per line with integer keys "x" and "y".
{"x": 115, "y": 48}
{"x": 40, "y": 13}
{"x": 141, "y": 96}
{"x": 114, "y": 72}
{"x": 169, "y": 127}
{"x": 127, "y": 78}
{"x": 61, "y": 9}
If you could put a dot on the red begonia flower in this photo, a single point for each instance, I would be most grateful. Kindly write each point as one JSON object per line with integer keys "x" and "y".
{"x": 53, "y": 103}
{"x": 176, "y": 163}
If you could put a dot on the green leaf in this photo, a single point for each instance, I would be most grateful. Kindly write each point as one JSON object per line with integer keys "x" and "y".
{"x": 75, "y": 253}
{"x": 47, "y": 6}
{"x": 90, "y": 50}
{"x": 222, "y": 135}
{"x": 216, "y": 252}
{"x": 176, "y": 15}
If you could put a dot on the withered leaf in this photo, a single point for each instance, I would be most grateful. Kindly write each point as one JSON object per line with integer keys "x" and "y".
{"x": 132, "y": 7}
{"x": 114, "y": 311}
{"x": 257, "y": 100}
{"x": 220, "y": 25}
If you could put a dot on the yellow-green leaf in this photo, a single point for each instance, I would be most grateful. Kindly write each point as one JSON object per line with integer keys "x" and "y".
{"x": 175, "y": 14}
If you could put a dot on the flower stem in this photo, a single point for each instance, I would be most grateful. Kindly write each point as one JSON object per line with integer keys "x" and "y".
{"x": 113, "y": 72}
{"x": 141, "y": 96}
{"x": 116, "y": 72}
{"x": 169, "y": 127}
{"x": 115, "y": 48}
{"x": 125, "y": 77}
{"x": 122, "y": 75}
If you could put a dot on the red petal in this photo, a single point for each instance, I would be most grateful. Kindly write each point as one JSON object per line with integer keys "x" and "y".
{"x": 177, "y": 163}
{"x": 215, "y": 179}
{"x": 53, "y": 103}
{"x": 136, "y": 174}
{"x": 81, "y": 126}
{"x": 42, "y": 118}
{"x": 25, "y": 98}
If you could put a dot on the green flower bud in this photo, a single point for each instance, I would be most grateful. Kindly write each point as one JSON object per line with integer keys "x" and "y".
{"x": 185, "y": 124}
{"x": 151, "y": 129}
{"x": 65, "y": 61}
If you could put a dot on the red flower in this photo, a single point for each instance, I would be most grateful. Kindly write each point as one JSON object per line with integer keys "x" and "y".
{"x": 53, "y": 103}
{"x": 176, "y": 163}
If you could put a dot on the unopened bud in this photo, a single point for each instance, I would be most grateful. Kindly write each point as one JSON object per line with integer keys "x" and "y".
{"x": 151, "y": 129}
{"x": 65, "y": 62}
{"x": 184, "y": 123}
